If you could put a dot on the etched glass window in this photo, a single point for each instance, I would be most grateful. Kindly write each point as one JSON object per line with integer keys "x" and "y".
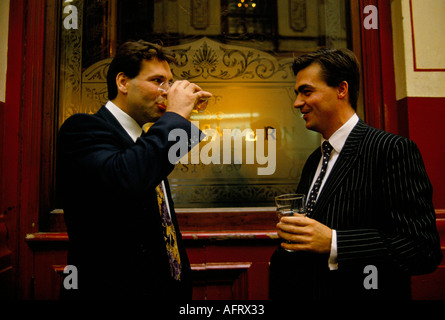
{"x": 241, "y": 51}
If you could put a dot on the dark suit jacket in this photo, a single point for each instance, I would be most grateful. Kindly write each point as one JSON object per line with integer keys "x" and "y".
{"x": 379, "y": 199}
{"x": 107, "y": 185}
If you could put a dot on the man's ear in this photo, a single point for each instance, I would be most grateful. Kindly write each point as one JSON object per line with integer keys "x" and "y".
{"x": 122, "y": 82}
{"x": 343, "y": 90}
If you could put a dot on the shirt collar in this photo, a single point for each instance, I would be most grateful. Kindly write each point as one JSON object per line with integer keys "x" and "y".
{"x": 133, "y": 129}
{"x": 338, "y": 139}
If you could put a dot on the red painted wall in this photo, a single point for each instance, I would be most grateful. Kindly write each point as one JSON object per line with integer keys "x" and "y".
{"x": 426, "y": 120}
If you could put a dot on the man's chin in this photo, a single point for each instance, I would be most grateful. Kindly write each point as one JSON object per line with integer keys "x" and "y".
{"x": 312, "y": 127}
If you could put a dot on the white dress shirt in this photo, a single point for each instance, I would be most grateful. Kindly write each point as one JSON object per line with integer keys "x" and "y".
{"x": 128, "y": 123}
{"x": 337, "y": 141}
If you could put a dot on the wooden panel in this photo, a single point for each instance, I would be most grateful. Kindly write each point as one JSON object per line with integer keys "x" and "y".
{"x": 226, "y": 265}
{"x": 229, "y": 265}
{"x": 209, "y": 219}
{"x": 20, "y": 140}
{"x": 211, "y": 281}
{"x": 221, "y": 281}
{"x": 49, "y": 261}
{"x": 255, "y": 252}
{"x": 6, "y": 271}
{"x": 9, "y": 143}
{"x": 49, "y": 256}
{"x": 432, "y": 286}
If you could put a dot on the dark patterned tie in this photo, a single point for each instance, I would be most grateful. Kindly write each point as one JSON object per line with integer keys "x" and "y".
{"x": 169, "y": 235}
{"x": 327, "y": 149}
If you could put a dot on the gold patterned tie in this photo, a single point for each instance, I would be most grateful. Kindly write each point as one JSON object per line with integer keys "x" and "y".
{"x": 169, "y": 235}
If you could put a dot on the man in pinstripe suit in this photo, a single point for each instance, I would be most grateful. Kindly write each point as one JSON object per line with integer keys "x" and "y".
{"x": 372, "y": 224}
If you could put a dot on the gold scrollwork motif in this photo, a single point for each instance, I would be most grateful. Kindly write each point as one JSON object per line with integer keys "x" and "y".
{"x": 235, "y": 62}
{"x": 94, "y": 86}
{"x": 70, "y": 77}
{"x": 97, "y": 72}
{"x": 98, "y": 95}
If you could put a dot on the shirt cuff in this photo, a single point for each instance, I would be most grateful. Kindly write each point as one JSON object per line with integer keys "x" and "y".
{"x": 333, "y": 264}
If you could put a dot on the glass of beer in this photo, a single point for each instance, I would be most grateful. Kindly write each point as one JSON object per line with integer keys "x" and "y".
{"x": 200, "y": 105}
{"x": 289, "y": 204}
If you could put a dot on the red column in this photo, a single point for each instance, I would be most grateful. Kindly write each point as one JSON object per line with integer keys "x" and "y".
{"x": 21, "y": 137}
{"x": 378, "y": 69}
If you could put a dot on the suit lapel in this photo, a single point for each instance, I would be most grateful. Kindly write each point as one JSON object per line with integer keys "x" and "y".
{"x": 343, "y": 165}
{"x": 309, "y": 171}
{"x": 105, "y": 114}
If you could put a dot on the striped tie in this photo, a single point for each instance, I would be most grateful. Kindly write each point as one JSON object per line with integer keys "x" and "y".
{"x": 327, "y": 149}
{"x": 169, "y": 235}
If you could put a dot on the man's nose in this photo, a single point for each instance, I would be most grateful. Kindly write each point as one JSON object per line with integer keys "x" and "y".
{"x": 299, "y": 103}
{"x": 163, "y": 93}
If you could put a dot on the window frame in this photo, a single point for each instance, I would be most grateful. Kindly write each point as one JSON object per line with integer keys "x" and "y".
{"x": 50, "y": 216}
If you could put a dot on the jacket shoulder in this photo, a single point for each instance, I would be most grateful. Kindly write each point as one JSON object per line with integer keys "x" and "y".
{"x": 83, "y": 122}
{"x": 380, "y": 139}
{"x": 80, "y": 118}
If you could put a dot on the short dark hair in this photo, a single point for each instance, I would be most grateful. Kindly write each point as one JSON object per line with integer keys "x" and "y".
{"x": 129, "y": 59}
{"x": 337, "y": 65}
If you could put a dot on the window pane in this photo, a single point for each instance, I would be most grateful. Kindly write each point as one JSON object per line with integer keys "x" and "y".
{"x": 241, "y": 51}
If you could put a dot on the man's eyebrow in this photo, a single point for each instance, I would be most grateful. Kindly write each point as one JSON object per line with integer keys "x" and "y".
{"x": 304, "y": 87}
{"x": 154, "y": 76}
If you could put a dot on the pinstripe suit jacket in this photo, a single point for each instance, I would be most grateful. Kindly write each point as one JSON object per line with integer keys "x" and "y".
{"x": 379, "y": 199}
